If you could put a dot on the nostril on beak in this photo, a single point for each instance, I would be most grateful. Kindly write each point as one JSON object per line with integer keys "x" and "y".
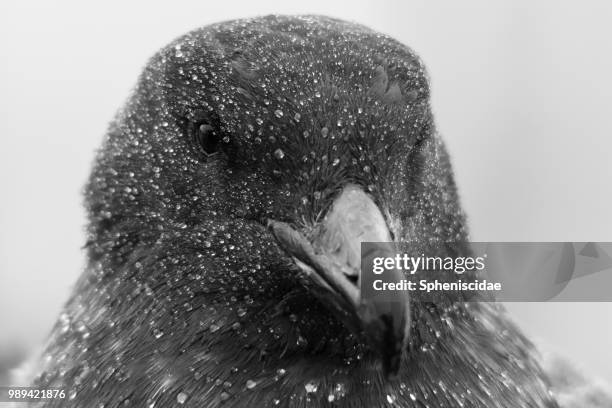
{"x": 354, "y": 279}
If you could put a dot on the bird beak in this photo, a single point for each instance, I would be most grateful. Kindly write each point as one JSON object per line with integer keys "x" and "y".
{"x": 331, "y": 257}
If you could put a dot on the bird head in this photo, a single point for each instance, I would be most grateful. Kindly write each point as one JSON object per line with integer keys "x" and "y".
{"x": 252, "y": 160}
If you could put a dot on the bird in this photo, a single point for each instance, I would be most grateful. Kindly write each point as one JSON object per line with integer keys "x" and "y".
{"x": 226, "y": 211}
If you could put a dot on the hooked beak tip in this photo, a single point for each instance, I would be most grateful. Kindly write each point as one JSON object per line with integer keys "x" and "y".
{"x": 386, "y": 327}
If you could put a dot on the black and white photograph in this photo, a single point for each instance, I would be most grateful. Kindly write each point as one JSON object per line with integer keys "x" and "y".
{"x": 306, "y": 204}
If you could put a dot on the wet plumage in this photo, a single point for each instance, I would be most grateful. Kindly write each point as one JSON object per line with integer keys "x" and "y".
{"x": 189, "y": 299}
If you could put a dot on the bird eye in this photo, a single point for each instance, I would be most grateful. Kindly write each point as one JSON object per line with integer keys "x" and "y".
{"x": 207, "y": 138}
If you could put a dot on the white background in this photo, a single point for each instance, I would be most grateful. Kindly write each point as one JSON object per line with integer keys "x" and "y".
{"x": 521, "y": 91}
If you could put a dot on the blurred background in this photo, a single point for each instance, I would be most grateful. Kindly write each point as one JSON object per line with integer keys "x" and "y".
{"x": 521, "y": 92}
